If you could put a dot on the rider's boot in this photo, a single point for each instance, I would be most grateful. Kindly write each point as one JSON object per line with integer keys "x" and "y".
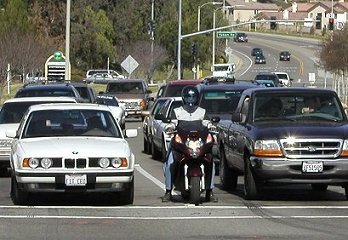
{"x": 210, "y": 196}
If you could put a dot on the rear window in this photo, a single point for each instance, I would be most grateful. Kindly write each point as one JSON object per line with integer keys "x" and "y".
{"x": 45, "y": 93}
{"x": 220, "y": 101}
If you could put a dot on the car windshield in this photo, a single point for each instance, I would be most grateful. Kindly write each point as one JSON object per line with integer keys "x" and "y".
{"x": 220, "y": 101}
{"x": 13, "y": 112}
{"x": 296, "y": 107}
{"x": 71, "y": 122}
{"x": 126, "y": 87}
{"x": 174, "y": 90}
{"x": 282, "y": 76}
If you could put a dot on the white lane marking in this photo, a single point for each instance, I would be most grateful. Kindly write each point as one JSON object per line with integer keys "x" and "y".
{"x": 150, "y": 177}
{"x": 172, "y": 218}
{"x": 174, "y": 207}
{"x": 251, "y": 62}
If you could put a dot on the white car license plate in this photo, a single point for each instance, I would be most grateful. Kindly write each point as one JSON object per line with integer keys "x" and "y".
{"x": 312, "y": 167}
{"x": 76, "y": 180}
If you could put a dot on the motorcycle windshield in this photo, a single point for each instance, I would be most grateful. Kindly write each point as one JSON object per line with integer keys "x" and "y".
{"x": 188, "y": 126}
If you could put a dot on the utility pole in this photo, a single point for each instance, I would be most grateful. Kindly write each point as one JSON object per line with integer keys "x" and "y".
{"x": 179, "y": 41}
{"x": 67, "y": 41}
{"x": 152, "y": 36}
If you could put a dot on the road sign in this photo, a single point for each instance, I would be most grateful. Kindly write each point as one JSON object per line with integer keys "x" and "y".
{"x": 311, "y": 78}
{"x": 225, "y": 34}
{"x": 129, "y": 64}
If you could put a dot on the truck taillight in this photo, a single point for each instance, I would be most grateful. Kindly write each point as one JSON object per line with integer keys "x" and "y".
{"x": 143, "y": 104}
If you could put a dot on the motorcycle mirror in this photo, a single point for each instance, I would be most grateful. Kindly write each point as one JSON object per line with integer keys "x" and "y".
{"x": 215, "y": 119}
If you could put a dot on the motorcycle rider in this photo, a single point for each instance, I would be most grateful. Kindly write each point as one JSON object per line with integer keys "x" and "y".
{"x": 190, "y": 111}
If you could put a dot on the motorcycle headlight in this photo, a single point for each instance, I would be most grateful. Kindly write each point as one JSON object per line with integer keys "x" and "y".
{"x": 104, "y": 162}
{"x": 267, "y": 148}
{"x": 46, "y": 163}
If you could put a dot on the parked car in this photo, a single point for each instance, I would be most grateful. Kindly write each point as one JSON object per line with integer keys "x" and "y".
{"x": 159, "y": 138}
{"x": 85, "y": 90}
{"x": 268, "y": 76}
{"x": 284, "y": 56}
{"x": 48, "y": 90}
{"x": 91, "y": 154}
{"x": 111, "y": 73}
{"x": 240, "y": 37}
{"x": 149, "y": 118}
{"x": 256, "y": 51}
{"x": 174, "y": 88}
{"x": 284, "y": 78}
{"x": 133, "y": 93}
{"x": 11, "y": 113}
{"x": 260, "y": 59}
{"x": 278, "y": 136}
{"x": 118, "y": 110}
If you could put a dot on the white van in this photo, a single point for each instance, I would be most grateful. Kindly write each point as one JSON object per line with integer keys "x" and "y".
{"x": 224, "y": 70}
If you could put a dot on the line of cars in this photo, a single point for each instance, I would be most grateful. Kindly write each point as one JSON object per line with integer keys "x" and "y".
{"x": 56, "y": 141}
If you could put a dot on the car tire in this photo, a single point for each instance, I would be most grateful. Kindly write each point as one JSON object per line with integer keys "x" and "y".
{"x": 228, "y": 177}
{"x": 146, "y": 146}
{"x": 164, "y": 151}
{"x": 252, "y": 186}
{"x": 154, "y": 151}
{"x": 320, "y": 187}
{"x": 346, "y": 191}
{"x": 18, "y": 196}
{"x": 127, "y": 196}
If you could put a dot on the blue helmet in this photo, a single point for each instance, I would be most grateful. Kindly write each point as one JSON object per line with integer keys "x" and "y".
{"x": 190, "y": 96}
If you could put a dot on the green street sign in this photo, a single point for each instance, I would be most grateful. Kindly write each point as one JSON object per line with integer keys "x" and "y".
{"x": 225, "y": 34}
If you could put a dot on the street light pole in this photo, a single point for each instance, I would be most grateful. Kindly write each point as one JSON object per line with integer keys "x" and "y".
{"x": 214, "y": 26}
{"x": 67, "y": 42}
{"x": 152, "y": 36}
{"x": 199, "y": 13}
{"x": 179, "y": 41}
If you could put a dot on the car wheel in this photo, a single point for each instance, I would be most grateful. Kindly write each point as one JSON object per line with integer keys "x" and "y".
{"x": 146, "y": 146}
{"x": 164, "y": 151}
{"x": 18, "y": 196}
{"x": 228, "y": 177}
{"x": 252, "y": 186}
{"x": 3, "y": 171}
{"x": 320, "y": 187}
{"x": 154, "y": 152}
{"x": 127, "y": 196}
{"x": 346, "y": 191}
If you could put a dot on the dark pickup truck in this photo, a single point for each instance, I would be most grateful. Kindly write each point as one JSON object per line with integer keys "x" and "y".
{"x": 284, "y": 136}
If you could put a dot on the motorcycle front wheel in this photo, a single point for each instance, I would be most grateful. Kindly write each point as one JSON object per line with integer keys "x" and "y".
{"x": 195, "y": 191}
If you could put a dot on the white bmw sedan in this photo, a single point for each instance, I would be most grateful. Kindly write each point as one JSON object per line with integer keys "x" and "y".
{"x": 71, "y": 147}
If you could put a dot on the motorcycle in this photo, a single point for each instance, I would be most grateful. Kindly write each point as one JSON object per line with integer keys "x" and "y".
{"x": 191, "y": 145}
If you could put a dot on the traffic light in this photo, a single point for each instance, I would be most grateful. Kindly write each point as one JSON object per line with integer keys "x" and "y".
{"x": 273, "y": 23}
{"x": 318, "y": 23}
{"x": 194, "y": 48}
{"x": 331, "y": 23}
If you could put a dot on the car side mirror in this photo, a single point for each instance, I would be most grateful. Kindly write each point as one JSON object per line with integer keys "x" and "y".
{"x": 166, "y": 120}
{"x": 150, "y": 99}
{"x": 236, "y": 117}
{"x": 158, "y": 116}
{"x": 11, "y": 133}
{"x": 131, "y": 133}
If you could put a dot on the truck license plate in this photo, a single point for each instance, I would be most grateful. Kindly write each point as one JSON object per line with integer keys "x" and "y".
{"x": 76, "y": 180}
{"x": 312, "y": 167}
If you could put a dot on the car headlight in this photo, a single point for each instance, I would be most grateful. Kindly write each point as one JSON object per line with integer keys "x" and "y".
{"x": 46, "y": 163}
{"x": 5, "y": 142}
{"x": 344, "y": 152}
{"x": 33, "y": 162}
{"x": 267, "y": 148}
{"x": 119, "y": 162}
{"x": 104, "y": 162}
